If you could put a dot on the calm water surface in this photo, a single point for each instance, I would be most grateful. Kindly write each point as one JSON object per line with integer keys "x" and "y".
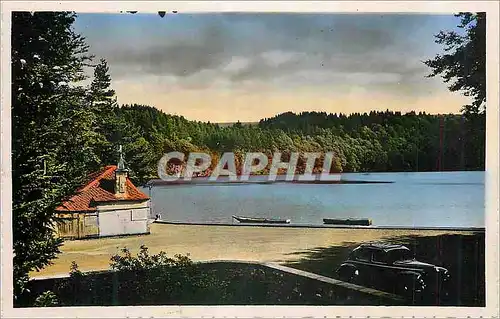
{"x": 453, "y": 199}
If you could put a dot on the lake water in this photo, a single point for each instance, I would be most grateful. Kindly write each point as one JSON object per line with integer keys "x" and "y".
{"x": 433, "y": 199}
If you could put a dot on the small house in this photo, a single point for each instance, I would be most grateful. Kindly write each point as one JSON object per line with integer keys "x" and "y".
{"x": 108, "y": 205}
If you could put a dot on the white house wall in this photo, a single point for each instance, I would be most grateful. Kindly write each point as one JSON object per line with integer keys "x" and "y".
{"x": 123, "y": 219}
{"x": 129, "y": 205}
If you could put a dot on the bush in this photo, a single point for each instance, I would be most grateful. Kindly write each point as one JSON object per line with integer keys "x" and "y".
{"x": 139, "y": 280}
{"x": 46, "y": 299}
{"x": 147, "y": 279}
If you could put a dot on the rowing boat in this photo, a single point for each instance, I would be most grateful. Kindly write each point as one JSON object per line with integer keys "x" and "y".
{"x": 242, "y": 219}
{"x": 348, "y": 221}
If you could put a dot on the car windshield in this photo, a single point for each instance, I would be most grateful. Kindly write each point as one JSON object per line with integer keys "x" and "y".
{"x": 400, "y": 255}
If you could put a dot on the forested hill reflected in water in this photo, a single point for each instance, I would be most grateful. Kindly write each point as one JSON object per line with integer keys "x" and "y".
{"x": 429, "y": 199}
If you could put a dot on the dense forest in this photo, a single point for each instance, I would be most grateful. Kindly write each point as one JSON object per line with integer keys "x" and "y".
{"x": 374, "y": 142}
{"x": 63, "y": 129}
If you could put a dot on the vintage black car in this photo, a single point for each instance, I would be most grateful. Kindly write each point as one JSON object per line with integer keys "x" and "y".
{"x": 393, "y": 268}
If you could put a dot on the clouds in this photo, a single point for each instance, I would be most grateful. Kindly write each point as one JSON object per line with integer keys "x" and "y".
{"x": 275, "y": 51}
{"x": 177, "y": 55}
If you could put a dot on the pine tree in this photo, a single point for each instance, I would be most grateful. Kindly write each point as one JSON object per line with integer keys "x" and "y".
{"x": 53, "y": 139}
{"x": 100, "y": 89}
{"x": 105, "y": 109}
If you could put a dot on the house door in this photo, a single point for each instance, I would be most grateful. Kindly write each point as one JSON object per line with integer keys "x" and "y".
{"x": 112, "y": 223}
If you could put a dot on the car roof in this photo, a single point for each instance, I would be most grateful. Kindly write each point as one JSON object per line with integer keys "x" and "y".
{"x": 383, "y": 246}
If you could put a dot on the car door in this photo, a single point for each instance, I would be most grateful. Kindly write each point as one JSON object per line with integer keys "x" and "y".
{"x": 363, "y": 263}
{"x": 382, "y": 269}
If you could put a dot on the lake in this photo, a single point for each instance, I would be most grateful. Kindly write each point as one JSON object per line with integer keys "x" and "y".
{"x": 430, "y": 199}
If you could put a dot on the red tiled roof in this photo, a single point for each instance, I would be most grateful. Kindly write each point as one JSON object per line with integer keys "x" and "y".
{"x": 100, "y": 188}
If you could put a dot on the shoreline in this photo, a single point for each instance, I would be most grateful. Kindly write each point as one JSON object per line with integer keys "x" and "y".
{"x": 216, "y": 242}
{"x": 417, "y": 228}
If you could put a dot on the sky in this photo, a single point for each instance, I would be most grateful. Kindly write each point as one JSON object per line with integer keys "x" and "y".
{"x": 228, "y": 67}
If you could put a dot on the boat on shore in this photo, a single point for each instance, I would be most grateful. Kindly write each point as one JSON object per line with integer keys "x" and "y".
{"x": 348, "y": 221}
{"x": 242, "y": 219}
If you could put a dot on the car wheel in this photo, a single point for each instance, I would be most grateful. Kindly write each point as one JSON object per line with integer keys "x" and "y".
{"x": 348, "y": 274}
{"x": 412, "y": 288}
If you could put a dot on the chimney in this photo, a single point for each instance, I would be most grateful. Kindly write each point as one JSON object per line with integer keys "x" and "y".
{"x": 121, "y": 174}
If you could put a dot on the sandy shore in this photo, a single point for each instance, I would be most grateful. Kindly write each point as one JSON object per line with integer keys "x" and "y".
{"x": 269, "y": 244}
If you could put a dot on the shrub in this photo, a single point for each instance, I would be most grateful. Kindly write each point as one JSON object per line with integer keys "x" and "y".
{"x": 153, "y": 279}
{"x": 147, "y": 279}
{"x": 46, "y": 299}
{"x": 144, "y": 279}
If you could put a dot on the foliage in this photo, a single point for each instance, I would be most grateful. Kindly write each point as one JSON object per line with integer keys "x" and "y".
{"x": 146, "y": 261}
{"x": 138, "y": 280}
{"x": 100, "y": 91}
{"x": 46, "y": 299}
{"x": 159, "y": 280}
{"x": 464, "y": 63}
{"x": 102, "y": 101}
{"x": 152, "y": 278}
{"x": 63, "y": 130}
{"x": 52, "y": 137}
{"x": 375, "y": 141}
